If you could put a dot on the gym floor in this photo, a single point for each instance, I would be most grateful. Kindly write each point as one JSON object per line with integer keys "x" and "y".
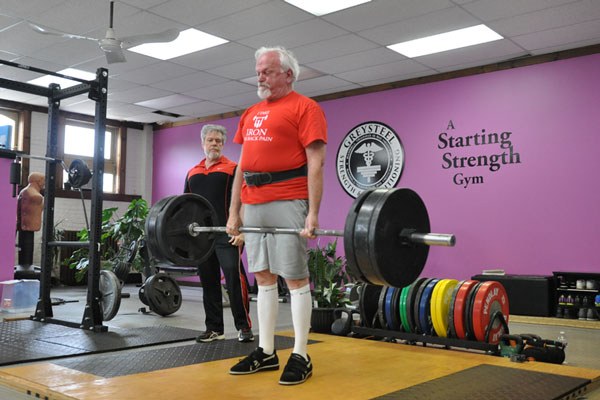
{"x": 344, "y": 367}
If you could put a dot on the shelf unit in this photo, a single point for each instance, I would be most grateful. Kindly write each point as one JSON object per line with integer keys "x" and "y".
{"x": 571, "y": 300}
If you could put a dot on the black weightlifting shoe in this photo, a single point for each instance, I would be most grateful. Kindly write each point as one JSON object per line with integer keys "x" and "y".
{"x": 296, "y": 371}
{"x": 255, "y": 362}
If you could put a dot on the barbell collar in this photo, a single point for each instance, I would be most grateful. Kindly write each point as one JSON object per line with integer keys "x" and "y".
{"x": 433, "y": 239}
{"x": 430, "y": 239}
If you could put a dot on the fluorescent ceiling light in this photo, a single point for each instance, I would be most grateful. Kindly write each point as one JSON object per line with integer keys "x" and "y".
{"x": 322, "y": 7}
{"x": 188, "y": 41}
{"x": 446, "y": 41}
{"x": 64, "y": 83}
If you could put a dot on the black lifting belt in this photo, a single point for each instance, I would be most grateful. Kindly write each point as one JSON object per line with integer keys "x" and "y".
{"x": 263, "y": 178}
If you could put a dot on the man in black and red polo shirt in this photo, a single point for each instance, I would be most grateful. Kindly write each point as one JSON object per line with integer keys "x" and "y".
{"x": 212, "y": 178}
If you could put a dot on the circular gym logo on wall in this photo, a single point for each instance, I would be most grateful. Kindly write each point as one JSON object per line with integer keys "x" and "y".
{"x": 371, "y": 156}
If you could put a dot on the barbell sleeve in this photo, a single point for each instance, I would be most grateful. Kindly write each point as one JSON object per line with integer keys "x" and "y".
{"x": 430, "y": 239}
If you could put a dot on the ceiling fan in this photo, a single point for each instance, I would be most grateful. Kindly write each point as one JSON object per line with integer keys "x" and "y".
{"x": 110, "y": 44}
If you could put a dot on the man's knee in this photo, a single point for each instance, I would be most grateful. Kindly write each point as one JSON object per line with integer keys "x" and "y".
{"x": 265, "y": 278}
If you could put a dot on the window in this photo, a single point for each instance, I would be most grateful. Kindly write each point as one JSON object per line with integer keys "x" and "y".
{"x": 9, "y": 123}
{"x": 79, "y": 144}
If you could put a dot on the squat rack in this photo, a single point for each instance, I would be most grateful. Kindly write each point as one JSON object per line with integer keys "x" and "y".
{"x": 97, "y": 91}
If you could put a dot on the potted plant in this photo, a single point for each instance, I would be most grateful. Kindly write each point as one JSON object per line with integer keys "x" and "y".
{"x": 117, "y": 236}
{"x": 329, "y": 282}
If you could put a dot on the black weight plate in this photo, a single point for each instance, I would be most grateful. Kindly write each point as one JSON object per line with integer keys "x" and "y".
{"x": 395, "y": 322}
{"x": 121, "y": 269}
{"x": 451, "y": 329}
{"x": 470, "y": 334}
{"x": 410, "y": 303}
{"x": 416, "y": 304}
{"x": 351, "y": 264}
{"x": 151, "y": 229}
{"x": 381, "y": 307}
{"x": 394, "y": 262}
{"x": 142, "y": 294}
{"x": 362, "y": 236}
{"x": 163, "y": 294}
{"x": 79, "y": 174}
{"x": 369, "y": 297}
{"x": 173, "y": 240}
{"x": 110, "y": 291}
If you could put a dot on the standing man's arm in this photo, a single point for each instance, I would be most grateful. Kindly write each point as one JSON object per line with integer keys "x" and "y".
{"x": 315, "y": 156}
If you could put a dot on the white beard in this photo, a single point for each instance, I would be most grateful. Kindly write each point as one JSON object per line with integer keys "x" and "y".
{"x": 263, "y": 92}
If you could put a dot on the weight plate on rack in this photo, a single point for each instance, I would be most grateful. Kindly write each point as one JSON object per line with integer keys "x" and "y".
{"x": 395, "y": 310}
{"x": 388, "y": 308}
{"x": 451, "y": 328}
{"x": 440, "y": 305}
{"x": 470, "y": 335}
{"x": 411, "y": 299}
{"x": 369, "y": 296}
{"x": 424, "y": 307}
{"x": 381, "y": 307}
{"x": 403, "y": 308}
{"x": 490, "y": 297}
{"x": 460, "y": 304}
{"x": 416, "y": 306}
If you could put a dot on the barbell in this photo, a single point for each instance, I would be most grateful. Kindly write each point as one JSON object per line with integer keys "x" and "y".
{"x": 386, "y": 234}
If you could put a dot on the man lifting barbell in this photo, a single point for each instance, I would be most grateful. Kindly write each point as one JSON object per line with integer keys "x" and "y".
{"x": 289, "y": 152}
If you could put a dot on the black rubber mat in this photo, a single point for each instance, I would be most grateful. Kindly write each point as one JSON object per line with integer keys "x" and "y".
{"x": 26, "y": 340}
{"x": 487, "y": 382}
{"x": 111, "y": 365}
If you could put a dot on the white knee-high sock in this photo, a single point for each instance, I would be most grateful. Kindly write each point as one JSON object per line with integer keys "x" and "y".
{"x": 301, "y": 304}
{"x": 267, "y": 305}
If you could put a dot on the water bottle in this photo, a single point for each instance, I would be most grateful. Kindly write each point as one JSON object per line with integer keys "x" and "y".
{"x": 562, "y": 338}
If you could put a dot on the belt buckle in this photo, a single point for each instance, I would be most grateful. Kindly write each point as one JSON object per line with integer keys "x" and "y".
{"x": 264, "y": 178}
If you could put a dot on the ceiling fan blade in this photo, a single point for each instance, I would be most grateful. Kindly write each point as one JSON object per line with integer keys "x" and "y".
{"x": 115, "y": 56}
{"x": 49, "y": 31}
{"x": 159, "y": 37}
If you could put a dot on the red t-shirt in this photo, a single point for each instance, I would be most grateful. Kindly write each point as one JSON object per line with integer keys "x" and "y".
{"x": 274, "y": 135}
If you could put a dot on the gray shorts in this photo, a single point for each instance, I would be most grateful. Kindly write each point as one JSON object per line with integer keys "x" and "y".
{"x": 281, "y": 254}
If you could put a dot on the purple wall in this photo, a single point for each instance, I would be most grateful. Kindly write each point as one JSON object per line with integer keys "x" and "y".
{"x": 533, "y": 217}
{"x": 8, "y": 215}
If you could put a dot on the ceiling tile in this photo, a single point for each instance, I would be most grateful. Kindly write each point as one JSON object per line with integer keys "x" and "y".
{"x": 562, "y": 38}
{"x": 155, "y": 72}
{"x": 221, "y": 90}
{"x": 430, "y": 24}
{"x": 167, "y": 101}
{"x": 555, "y": 17}
{"x": 138, "y": 93}
{"x": 490, "y": 10}
{"x": 357, "y": 60}
{"x": 201, "y": 108}
{"x": 391, "y": 71}
{"x": 188, "y": 82}
{"x": 336, "y": 47}
{"x": 380, "y": 12}
{"x": 313, "y": 30}
{"x": 194, "y": 12}
{"x": 256, "y": 20}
